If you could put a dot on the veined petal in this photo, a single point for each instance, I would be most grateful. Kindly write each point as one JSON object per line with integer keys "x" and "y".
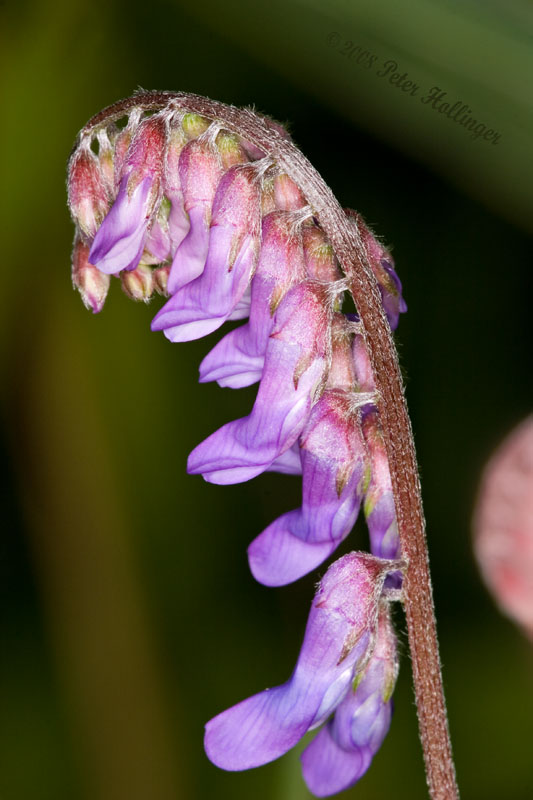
{"x": 119, "y": 241}
{"x": 333, "y": 459}
{"x": 189, "y": 259}
{"x": 277, "y": 557}
{"x": 259, "y": 729}
{"x": 328, "y": 768}
{"x": 237, "y": 360}
{"x": 242, "y": 449}
{"x": 289, "y": 462}
{"x": 204, "y": 305}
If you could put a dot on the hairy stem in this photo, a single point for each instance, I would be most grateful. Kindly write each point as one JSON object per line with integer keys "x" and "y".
{"x": 349, "y": 249}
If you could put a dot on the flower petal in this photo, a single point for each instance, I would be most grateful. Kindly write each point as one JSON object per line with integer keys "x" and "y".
{"x": 265, "y": 726}
{"x": 277, "y": 557}
{"x": 328, "y": 768}
{"x": 119, "y": 241}
{"x": 242, "y": 449}
{"x": 237, "y": 360}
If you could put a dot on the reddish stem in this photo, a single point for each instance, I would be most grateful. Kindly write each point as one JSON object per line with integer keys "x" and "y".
{"x": 349, "y": 249}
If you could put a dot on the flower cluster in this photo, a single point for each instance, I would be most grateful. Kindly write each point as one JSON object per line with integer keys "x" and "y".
{"x": 173, "y": 202}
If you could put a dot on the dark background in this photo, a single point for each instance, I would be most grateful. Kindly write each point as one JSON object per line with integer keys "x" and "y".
{"x": 129, "y": 617}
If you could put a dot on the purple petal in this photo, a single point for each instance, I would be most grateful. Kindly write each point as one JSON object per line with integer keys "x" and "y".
{"x": 189, "y": 259}
{"x": 289, "y": 462}
{"x": 333, "y": 462}
{"x": 178, "y": 220}
{"x": 277, "y": 557}
{"x": 259, "y": 729}
{"x": 266, "y": 725}
{"x": 119, "y": 241}
{"x": 295, "y": 362}
{"x": 246, "y": 447}
{"x": 237, "y": 360}
{"x": 204, "y": 305}
{"x": 328, "y": 768}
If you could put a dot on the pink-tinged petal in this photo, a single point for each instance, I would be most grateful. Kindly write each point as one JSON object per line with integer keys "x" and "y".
{"x": 237, "y": 360}
{"x": 203, "y": 305}
{"x": 242, "y": 309}
{"x": 328, "y": 768}
{"x": 295, "y": 362}
{"x": 379, "y": 505}
{"x": 189, "y": 260}
{"x": 246, "y": 447}
{"x": 157, "y": 244}
{"x": 503, "y": 526}
{"x": 343, "y": 750}
{"x": 119, "y": 241}
{"x": 333, "y": 459}
{"x": 200, "y": 171}
{"x": 338, "y": 633}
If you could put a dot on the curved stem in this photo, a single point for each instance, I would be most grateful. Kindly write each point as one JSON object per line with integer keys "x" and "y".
{"x": 350, "y": 251}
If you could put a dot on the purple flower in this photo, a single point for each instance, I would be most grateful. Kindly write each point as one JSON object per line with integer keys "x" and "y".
{"x": 335, "y": 467}
{"x": 238, "y": 359}
{"x": 204, "y": 304}
{"x": 343, "y": 749}
{"x": 119, "y": 242}
{"x": 333, "y": 457}
{"x": 295, "y": 363}
{"x": 339, "y": 641}
{"x": 199, "y": 173}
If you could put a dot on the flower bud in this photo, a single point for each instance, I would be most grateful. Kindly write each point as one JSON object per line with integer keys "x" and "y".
{"x": 200, "y": 170}
{"x": 383, "y": 268}
{"x": 320, "y": 259}
{"x": 120, "y": 240}
{"x": 138, "y": 283}
{"x": 230, "y": 149}
{"x": 287, "y": 195}
{"x": 88, "y": 199}
{"x": 194, "y": 125}
{"x": 106, "y": 159}
{"x": 160, "y": 276}
{"x": 92, "y": 284}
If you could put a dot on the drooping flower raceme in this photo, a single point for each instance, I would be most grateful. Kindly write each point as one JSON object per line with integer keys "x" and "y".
{"x": 174, "y": 202}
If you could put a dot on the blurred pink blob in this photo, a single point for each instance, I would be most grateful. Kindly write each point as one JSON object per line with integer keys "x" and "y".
{"x": 503, "y": 526}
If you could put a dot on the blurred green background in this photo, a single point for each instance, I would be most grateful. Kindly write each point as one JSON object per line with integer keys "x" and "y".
{"x": 129, "y": 616}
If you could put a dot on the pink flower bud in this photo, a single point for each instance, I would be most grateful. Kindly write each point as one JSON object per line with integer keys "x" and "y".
{"x": 138, "y": 283}
{"x": 160, "y": 276}
{"x": 87, "y": 193}
{"x": 319, "y": 256}
{"x": 342, "y": 372}
{"x": 230, "y": 149}
{"x": 503, "y": 526}
{"x": 194, "y": 125}
{"x": 106, "y": 160}
{"x": 122, "y": 143}
{"x": 146, "y": 155}
{"x": 287, "y": 195}
{"x": 92, "y": 284}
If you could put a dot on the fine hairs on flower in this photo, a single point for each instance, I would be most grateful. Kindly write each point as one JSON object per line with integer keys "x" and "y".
{"x": 180, "y": 203}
